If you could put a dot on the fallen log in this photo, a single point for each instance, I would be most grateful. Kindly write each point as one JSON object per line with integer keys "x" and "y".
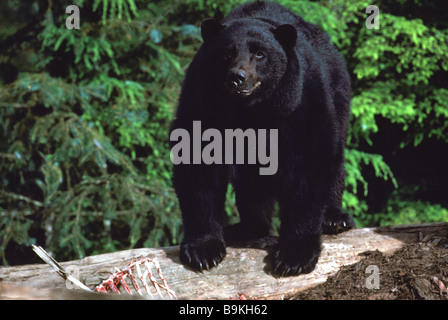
{"x": 245, "y": 269}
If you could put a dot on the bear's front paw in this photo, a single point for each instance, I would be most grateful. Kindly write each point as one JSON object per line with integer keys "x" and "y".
{"x": 202, "y": 254}
{"x": 291, "y": 258}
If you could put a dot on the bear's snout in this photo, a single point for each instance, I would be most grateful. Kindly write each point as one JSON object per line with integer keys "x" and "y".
{"x": 237, "y": 77}
{"x": 241, "y": 83}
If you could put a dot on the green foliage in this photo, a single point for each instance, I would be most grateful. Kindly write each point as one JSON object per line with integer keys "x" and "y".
{"x": 85, "y": 114}
{"x": 403, "y": 209}
{"x": 84, "y": 132}
{"x": 356, "y": 183}
{"x": 395, "y": 77}
{"x": 405, "y": 59}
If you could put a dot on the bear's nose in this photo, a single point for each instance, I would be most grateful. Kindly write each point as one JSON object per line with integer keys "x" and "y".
{"x": 237, "y": 77}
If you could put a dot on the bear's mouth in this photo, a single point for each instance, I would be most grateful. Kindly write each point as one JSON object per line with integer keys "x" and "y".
{"x": 247, "y": 92}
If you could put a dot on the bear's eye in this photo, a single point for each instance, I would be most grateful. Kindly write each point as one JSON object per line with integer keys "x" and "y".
{"x": 228, "y": 54}
{"x": 259, "y": 55}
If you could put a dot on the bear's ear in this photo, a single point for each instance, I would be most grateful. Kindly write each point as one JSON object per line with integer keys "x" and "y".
{"x": 286, "y": 34}
{"x": 210, "y": 28}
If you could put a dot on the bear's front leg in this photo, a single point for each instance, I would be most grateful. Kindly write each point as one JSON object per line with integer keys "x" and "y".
{"x": 299, "y": 244}
{"x": 201, "y": 192}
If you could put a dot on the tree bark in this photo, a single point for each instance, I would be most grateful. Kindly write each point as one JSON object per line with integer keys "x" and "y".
{"x": 245, "y": 269}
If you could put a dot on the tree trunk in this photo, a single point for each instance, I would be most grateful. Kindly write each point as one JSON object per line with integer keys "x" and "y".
{"x": 245, "y": 269}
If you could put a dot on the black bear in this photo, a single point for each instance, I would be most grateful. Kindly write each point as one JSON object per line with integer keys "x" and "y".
{"x": 264, "y": 67}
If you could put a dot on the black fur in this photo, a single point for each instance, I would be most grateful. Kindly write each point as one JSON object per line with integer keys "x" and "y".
{"x": 305, "y": 94}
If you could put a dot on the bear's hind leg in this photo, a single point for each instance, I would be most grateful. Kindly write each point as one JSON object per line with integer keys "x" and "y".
{"x": 336, "y": 221}
{"x": 255, "y": 220}
{"x": 255, "y": 202}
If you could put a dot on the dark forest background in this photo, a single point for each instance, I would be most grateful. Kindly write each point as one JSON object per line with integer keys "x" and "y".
{"x": 84, "y": 116}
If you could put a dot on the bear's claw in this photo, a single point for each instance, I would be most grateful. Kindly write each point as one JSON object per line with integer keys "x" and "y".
{"x": 295, "y": 257}
{"x": 202, "y": 254}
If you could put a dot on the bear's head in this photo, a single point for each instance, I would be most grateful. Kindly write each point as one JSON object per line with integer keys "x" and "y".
{"x": 249, "y": 56}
